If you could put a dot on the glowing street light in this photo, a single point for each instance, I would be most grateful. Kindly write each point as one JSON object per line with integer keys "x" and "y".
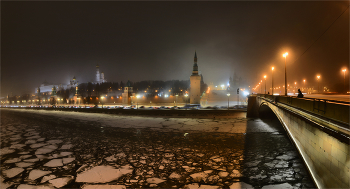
{"x": 285, "y": 72}
{"x": 272, "y": 77}
{"x": 186, "y": 95}
{"x": 265, "y": 83}
{"x": 318, "y": 80}
{"x": 344, "y": 80}
{"x": 228, "y": 101}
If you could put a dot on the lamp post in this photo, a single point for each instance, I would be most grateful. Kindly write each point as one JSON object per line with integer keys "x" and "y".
{"x": 304, "y": 83}
{"x": 272, "y": 77}
{"x": 318, "y": 81}
{"x": 186, "y": 95}
{"x": 260, "y": 86}
{"x": 344, "y": 80}
{"x": 285, "y": 72}
{"x": 176, "y": 98}
{"x": 102, "y": 97}
{"x": 228, "y": 101}
{"x": 265, "y": 83}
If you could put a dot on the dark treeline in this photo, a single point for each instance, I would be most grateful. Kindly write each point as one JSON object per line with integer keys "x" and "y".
{"x": 176, "y": 86}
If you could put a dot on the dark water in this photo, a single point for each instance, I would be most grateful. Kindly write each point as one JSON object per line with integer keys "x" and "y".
{"x": 261, "y": 157}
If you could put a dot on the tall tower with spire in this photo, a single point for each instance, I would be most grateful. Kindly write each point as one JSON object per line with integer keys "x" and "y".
{"x": 98, "y": 74}
{"x": 195, "y": 88}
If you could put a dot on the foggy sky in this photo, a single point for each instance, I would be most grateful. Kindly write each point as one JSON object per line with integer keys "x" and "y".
{"x": 55, "y": 41}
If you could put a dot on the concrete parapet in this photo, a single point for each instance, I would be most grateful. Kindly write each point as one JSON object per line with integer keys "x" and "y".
{"x": 325, "y": 151}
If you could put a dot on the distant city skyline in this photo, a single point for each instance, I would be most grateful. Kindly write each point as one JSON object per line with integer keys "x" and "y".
{"x": 55, "y": 41}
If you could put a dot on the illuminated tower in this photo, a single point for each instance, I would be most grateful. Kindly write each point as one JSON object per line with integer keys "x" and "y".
{"x": 102, "y": 77}
{"x": 98, "y": 77}
{"x": 195, "y": 88}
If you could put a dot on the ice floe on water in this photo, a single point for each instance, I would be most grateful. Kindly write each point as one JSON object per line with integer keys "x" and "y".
{"x": 38, "y": 145}
{"x": 25, "y": 156}
{"x": 12, "y": 172}
{"x": 24, "y": 164}
{"x": 4, "y": 151}
{"x": 239, "y": 185}
{"x": 30, "y": 142}
{"x": 17, "y": 146}
{"x": 68, "y": 160}
{"x": 155, "y": 180}
{"x": 202, "y": 186}
{"x": 276, "y": 186}
{"x": 46, "y": 149}
{"x": 65, "y": 153}
{"x": 103, "y": 186}
{"x": 13, "y": 160}
{"x": 197, "y": 177}
{"x": 35, "y": 174}
{"x": 174, "y": 176}
{"x": 54, "y": 163}
{"x": 60, "y": 182}
{"x": 54, "y": 141}
{"x": 47, "y": 178}
{"x": 102, "y": 174}
{"x": 66, "y": 146}
{"x": 32, "y": 160}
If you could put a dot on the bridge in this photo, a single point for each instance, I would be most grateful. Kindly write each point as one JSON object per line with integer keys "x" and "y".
{"x": 319, "y": 128}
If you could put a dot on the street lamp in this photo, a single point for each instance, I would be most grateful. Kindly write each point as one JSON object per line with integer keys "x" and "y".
{"x": 265, "y": 83}
{"x": 272, "y": 77}
{"x": 285, "y": 72}
{"x": 318, "y": 80}
{"x": 228, "y": 100}
{"x": 176, "y": 98}
{"x": 344, "y": 80}
{"x": 186, "y": 95}
{"x": 102, "y": 97}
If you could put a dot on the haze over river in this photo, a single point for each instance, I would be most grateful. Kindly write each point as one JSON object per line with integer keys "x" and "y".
{"x": 53, "y": 149}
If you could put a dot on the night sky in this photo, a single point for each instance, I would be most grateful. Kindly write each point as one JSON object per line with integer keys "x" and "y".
{"x": 55, "y": 41}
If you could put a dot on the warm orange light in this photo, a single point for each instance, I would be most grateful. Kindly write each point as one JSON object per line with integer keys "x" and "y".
{"x": 285, "y": 54}
{"x": 265, "y": 76}
{"x": 295, "y": 82}
{"x": 318, "y": 77}
{"x": 273, "y": 68}
{"x": 344, "y": 70}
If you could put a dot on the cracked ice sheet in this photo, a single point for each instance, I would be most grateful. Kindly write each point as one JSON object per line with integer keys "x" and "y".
{"x": 110, "y": 120}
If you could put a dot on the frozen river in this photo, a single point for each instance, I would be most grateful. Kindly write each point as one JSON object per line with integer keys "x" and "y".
{"x": 50, "y": 149}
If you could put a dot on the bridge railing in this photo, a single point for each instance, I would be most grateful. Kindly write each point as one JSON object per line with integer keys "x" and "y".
{"x": 333, "y": 109}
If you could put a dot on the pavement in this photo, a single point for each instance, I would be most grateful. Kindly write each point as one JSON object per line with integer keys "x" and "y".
{"x": 48, "y": 149}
